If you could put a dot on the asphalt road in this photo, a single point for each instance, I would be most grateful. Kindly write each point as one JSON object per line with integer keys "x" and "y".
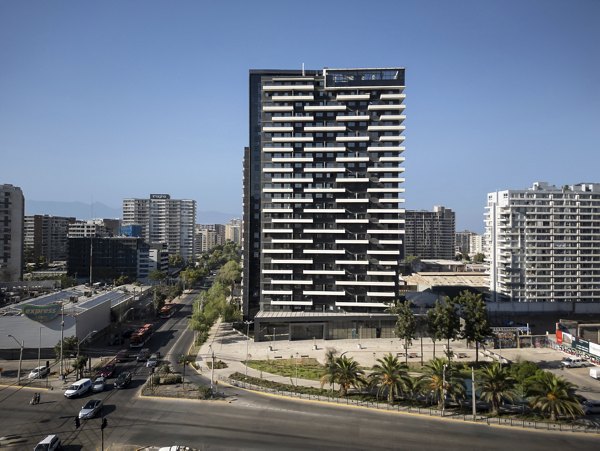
{"x": 249, "y": 421}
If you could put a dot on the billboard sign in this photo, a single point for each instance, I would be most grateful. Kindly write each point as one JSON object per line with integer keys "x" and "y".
{"x": 41, "y": 313}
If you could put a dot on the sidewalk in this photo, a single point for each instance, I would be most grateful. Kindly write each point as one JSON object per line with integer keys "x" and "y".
{"x": 229, "y": 346}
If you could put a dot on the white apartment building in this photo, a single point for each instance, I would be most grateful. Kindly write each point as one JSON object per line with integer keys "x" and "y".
{"x": 208, "y": 236}
{"x": 12, "y": 210}
{"x": 233, "y": 231}
{"x": 90, "y": 228}
{"x": 543, "y": 243}
{"x": 475, "y": 244}
{"x": 331, "y": 221}
{"x": 164, "y": 220}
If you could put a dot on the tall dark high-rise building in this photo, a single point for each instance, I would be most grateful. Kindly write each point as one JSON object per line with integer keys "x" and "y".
{"x": 323, "y": 223}
{"x": 12, "y": 210}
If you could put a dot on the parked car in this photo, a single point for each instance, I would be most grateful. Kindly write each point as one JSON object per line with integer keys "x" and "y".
{"x": 39, "y": 372}
{"x": 49, "y": 443}
{"x": 90, "y": 409}
{"x": 79, "y": 388}
{"x": 591, "y": 407}
{"x": 123, "y": 380}
{"x": 573, "y": 362}
{"x": 99, "y": 384}
{"x": 143, "y": 355}
{"x": 152, "y": 361}
{"x": 107, "y": 371}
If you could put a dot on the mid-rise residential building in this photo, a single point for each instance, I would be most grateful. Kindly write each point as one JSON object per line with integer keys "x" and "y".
{"x": 542, "y": 244}
{"x": 463, "y": 242}
{"x": 94, "y": 228}
{"x": 46, "y": 237}
{"x": 323, "y": 222}
{"x": 164, "y": 220}
{"x": 430, "y": 234}
{"x": 233, "y": 231}
{"x": 476, "y": 245}
{"x": 209, "y": 236}
{"x": 12, "y": 211}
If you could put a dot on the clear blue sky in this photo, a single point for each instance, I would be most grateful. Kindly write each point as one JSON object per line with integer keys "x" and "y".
{"x": 115, "y": 99}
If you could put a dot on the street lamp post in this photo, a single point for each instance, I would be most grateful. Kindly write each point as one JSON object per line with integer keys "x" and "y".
{"x": 21, "y": 345}
{"x": 84, "y": 339}
{"x": 40, "y": 349}
{"x": 443, "y": 389}
{"x": 297, "y": 369}
{"x": 247, "y": 323}
{"x": 62, "y": 338}
{"x": 212, "y": 372}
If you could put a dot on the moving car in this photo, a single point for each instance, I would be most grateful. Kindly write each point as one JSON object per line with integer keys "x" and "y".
{"x": 107, "y": 371}
{"x": 122, "y": 355}
{"x": 99, "y": 384}
{"x": 573, "y": 362}
{"x": 590, "y": 407}
{"x": 123, "y": 380}
{"x": 90, "y": 409}
{"x": 79, "y": 388}
{"x": 39, "y": 372}
{"x": 50, "y": 443}
{"x": 152, "y": 361}
{"x": 143, "y": 355}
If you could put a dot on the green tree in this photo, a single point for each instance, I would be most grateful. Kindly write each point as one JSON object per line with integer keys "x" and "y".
{"x": 122, "y": 280}
{"x": 406, "y": 324}
{"x": 413, "y": 386}
{"x": 389, "y": 376}
{"x": 67, "y": 282}
{"x": 79, "y": 365}
{"x": 229, "y": 274}
{"x": 329, "y": 374}
{"x": 554, "y": 396}
{"x": 448, "y": 323}
{"x": 69, "y": 347}
{"x": 176, "y": 261}
{"x": 157, "y": 276}
{"x": 479, "y": 258}
{"x": 476, "y": 324}
{"x": 412, "y": 262}
{"x": 432, "y": 323}
{"x": 348, "y": 374}
{"x": 438, "y": 371}
{"x": 496, "y": 385}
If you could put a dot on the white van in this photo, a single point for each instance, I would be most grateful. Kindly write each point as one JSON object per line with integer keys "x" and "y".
{"x": 78, "y": 388}
{"x": 50, "y": 443}
{"x": 573, "y": 362}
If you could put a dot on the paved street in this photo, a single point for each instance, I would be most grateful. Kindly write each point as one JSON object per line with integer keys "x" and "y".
{"x": 247, "y": 420}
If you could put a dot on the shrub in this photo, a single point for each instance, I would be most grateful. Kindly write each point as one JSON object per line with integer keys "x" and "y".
{"x": 170, "y": 379}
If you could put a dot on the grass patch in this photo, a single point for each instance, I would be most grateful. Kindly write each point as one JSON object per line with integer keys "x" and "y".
{"x": 307, "y": 368}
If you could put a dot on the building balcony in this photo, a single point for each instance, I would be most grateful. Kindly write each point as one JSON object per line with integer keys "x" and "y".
{"x": 391, "y": 138}
{"x": 298, "y": 98}
{"x": 323, "y": 293}
{"x": 380, "y": 252}
{"x": 385, "y": 210}
{"x": 281, "y": 129}
{"x": 392, "y": 117}
{"x": 277, "y": 271}
{"x": 325, "y": 149}
{"x": 294, "y": 261}
{"x": 352, "y": 201}
{"x": 269, "y": 170}
{"x": 324, "y": 190}
{"x": 325, "y": 169}
{"x": 352, "y": 262}
{"x": 326, "y": 272}
{"x": 352, "y": 180}
{"x": 385, "y": 107}
{"x": 347, "y": 97}
{"x": 292, "y": 118}
{"x": 391, "y": 180}
{"x": 325, "y": 108}
{"x": 291, "y": 282}
{"x": 292, "y": 139}
{"x": 292, "y": 220}
{"x": 381, "y": 294}
{"x": 292, "y": 180}
{"x": 352, "y": 138}
{"x": 385, "y": 128}
{"x": 386, "y": 149}
{"x": 271, "y": 88}
{"x": 277, "y": 149}
{"x": 324, "y": 210}
{"x": 327, "y": 128}
{"x": 386, "y": 169}
{"x": 325, "y": 231}
{"x": 291, "y": 241}
{"x": 398, "y": 96}
{"x": 292, "y": 160}
{"x": 324, "y": 251}
{"x": 351, "y": 241}
{"x": 352, "y": 159}
{"x": 278, "y": 109}
{"x": 281, "y": 292}
{"x": 277, "y": 190}
{"x": 353, "y": 118}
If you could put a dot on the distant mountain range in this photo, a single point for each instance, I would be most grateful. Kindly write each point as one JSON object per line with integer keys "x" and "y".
{"x": 82, "y": 210}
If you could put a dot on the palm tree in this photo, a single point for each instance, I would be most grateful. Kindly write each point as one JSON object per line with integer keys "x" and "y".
{"x": 433, "y": 382}
{"x": 328, "y": 376}
{"x": 551, "y": 394}
{"x": 497, "y": 386}
{"x": 413, "y": 386}
{"x": 348, "y": 374}
{"x": 389, "y": 375}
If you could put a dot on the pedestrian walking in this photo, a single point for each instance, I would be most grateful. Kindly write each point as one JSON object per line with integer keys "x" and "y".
{"x": 37, "y": 397}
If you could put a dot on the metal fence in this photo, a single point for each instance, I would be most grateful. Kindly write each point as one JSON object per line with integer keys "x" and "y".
{"x": 430, "y": 411}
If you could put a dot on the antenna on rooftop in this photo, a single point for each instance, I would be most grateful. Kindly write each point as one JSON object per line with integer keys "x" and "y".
{"x": 303, "y": 70}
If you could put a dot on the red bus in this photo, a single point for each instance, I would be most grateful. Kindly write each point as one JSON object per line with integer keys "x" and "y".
{"x": 140, "y": 336}
{"x": 166, "y": 311}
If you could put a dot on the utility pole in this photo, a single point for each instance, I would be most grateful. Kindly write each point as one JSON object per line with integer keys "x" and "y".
{"x": 247, "y": 323}
{"x": 212, "y": 372}
{"x": 62, "y": 337}
{"x": 443, "y": 389}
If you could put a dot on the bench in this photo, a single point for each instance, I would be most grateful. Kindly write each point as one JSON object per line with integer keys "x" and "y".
{"x": 277, "y": 357}
{"x": 413, "y": 355}
{"x": 462, "y": 355}
{"x": 305, "y": 356}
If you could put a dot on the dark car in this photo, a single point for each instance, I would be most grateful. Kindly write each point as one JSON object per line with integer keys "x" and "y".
{"x": 123, "y": 380}
{"x": 122, "y": 355}
{"x": 107, "y": 371}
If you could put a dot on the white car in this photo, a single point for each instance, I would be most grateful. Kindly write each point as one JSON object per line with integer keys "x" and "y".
{"x": 39, "y": 372}
{"x": 152, "y": 361}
